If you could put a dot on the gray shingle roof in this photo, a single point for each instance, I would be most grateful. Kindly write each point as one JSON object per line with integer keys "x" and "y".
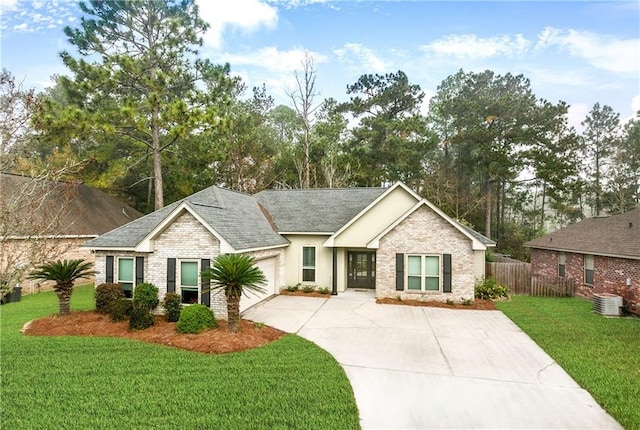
{"x": 615, "y": 235}
{"x": 478, "y": 236}
{"x": 316, "y": 210}
{"x": 235, "y": 216}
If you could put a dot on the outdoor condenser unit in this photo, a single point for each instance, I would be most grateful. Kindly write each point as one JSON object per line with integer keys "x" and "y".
{"x": 607, "y": 304}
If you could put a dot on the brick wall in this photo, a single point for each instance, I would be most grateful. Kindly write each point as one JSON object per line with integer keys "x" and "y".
{"x": 424, "y": 232}
{"x": 184, "y": 239}
{"x": 610, "y": 274}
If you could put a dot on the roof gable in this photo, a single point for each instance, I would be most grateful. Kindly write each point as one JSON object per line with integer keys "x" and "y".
{"x": 479, "y": 242}
{"x": 320, "y": 211}
{"x": 615, "y": 235}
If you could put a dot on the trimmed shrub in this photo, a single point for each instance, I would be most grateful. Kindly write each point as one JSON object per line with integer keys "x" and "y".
{"x": 195, "y": 319}
{"x": 145, "y": 296}
{"x": 121, "y": 310}
{"x": 172, "y": 304}
{"x": 140, "y": 318}
{"x": 106, "y": 295}
{"x": 490, "y": 289}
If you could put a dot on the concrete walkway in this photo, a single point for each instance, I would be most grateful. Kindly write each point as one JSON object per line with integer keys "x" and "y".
{"x": 433, "y": 368}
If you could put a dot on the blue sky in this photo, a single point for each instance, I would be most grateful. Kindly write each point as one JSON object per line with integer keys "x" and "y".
{"x": 581, "y": 52}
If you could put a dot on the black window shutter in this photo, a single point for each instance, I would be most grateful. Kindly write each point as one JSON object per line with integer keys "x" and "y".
{"x": 446, "y": 272}
{"x": 139, "y": 270}
{"x": 399, "y": 272}
{"x": 205, "y": 294}
{"x": 109, "y": 268}
{"x": 171, "y": 275}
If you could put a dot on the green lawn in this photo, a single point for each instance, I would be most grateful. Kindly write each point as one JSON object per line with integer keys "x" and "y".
{"x": 109, "y": 383}
{"x": 601, "y": 354}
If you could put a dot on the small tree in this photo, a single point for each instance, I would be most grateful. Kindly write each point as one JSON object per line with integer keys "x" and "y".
{"x": 235, "y": 274}
{"x": 64, "y": 273}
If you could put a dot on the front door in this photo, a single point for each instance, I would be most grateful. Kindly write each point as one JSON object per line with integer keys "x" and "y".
{"x": 361, "y": 269}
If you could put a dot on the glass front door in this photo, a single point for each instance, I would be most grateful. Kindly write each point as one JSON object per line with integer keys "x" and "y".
{"x": 361, "y": 269}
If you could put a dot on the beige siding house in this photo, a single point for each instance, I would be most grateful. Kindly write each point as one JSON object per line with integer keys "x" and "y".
{"x": 386, "y": 239}
{"x": 43, "y": 220}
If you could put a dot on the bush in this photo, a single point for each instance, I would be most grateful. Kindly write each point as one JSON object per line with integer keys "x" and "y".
{"x": 308, "y": 289}
{"x": 324, "y": 290}
{"x": 140, "y": 318}
{"x": 293, "y": 288}
{"x": 490, "y": 289}
{"x": 196, "y": 318}
{"x": 172, "y": 304}
{"x": 145, "y": 296}
{"x": 121, "y": 310}
{"x": 106, "y": 295}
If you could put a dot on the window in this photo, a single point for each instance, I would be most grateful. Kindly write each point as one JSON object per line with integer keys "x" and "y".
{"x": 588, "y": 269}
{"x": 188, "y": 282}
{"x": 562, "y": 258}
{"x": 423, "y": 273}
{"x": 125, "y": 276}
{"x": 308, "y": 264}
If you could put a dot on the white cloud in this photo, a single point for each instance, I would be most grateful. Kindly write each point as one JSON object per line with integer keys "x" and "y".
{"x": 472, "y": 46}
{"x": 271, "y": 58}
{"x": 576, "y": 114}
{"x": 245, "y": 15}
{"x": 635, "y": 103}
{"x": 602, "y": 51}
{"x": 8, "y": 5}
{"x": 364, "y": 58}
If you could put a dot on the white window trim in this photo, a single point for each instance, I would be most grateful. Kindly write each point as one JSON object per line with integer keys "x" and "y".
{"x": 562, "y": 261}
{"x": 592, "y": 269}
{"x": 422, "y": 275}
{"x": 133, "y": 272}
{"x": 303, "y": 267}
{"x": 179, "y": 278}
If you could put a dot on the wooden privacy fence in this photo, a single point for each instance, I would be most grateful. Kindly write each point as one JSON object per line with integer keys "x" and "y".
{"x": 517, "y": 276}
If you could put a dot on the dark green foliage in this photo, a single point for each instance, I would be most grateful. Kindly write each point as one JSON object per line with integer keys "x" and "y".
{"x": 195, "y": 319}
{"x": 106, "y": 295}
{"x": 121, "y": 310}
{"x": 172, "y": 306}
{"x": 140, "y": 318}
{"x": 490, "y": 289}
{"x": 307, "y": 289}
{"x": 145, "y": 296}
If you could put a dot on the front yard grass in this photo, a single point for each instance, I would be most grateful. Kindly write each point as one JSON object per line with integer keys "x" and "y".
{"x": 109, "y": 383}
{"x": 601, "y": 354}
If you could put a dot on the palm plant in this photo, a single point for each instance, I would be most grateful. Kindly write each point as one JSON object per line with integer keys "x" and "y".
{"x": 235, "y": 274}
{"x": 64, "y": 273}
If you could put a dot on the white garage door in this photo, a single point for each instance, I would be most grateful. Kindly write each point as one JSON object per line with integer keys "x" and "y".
{"x": 268, "y": 267}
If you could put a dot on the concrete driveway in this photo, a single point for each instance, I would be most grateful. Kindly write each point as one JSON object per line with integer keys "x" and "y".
{"x": 426, "y": 368}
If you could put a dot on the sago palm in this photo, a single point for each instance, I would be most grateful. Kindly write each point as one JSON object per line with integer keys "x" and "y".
{"x": 235, "y": 274}
{"x": 64, "y": 273}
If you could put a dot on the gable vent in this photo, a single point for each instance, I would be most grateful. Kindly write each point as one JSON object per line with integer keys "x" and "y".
{"x": 607, "y": 304}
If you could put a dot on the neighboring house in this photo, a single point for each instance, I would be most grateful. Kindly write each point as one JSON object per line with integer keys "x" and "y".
{"x": 387, "y": 239}
{"x": 41, "y": 220}
{"x": 601, "y": 254}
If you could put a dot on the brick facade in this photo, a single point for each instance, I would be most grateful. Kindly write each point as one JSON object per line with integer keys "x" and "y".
{"x": 425, "y": 232}
{"x": 610, "y": 273}
{"x": 184, "y": 239}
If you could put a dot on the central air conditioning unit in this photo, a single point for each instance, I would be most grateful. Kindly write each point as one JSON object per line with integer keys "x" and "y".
{"x": 607, "y": 304}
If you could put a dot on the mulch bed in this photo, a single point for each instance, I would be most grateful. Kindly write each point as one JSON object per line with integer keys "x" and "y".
{"x": 478, "y": 304}
{"x": 213, "y": 341}
{"x": 303, "y": 294}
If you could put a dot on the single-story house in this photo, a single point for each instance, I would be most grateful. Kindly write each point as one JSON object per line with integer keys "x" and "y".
{"x": 601, "y": 255}
{"x": 43, "y": 220}
{"x": 387, "y": 239}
